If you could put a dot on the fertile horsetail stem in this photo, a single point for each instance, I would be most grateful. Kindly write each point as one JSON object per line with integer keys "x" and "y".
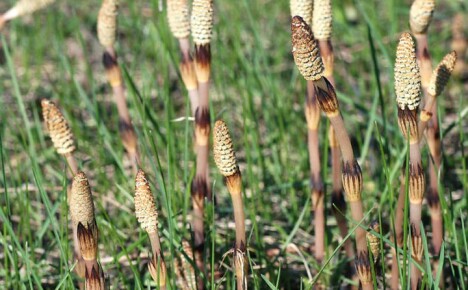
{"x": 147, "y": 215}
{"x": 225, "y": 159}
{"x": 408, "y": 92}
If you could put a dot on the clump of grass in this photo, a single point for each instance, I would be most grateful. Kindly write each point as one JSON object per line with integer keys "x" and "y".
{"x": 408, "y": 93}
{"x": 83, "y": 219}
{"x": 106, "y": 30}
{"x": 147, "y": 215}
{"x": 308, "y": 60}
{"x": 21, "y": 8}
{"x": 225, "y": 159}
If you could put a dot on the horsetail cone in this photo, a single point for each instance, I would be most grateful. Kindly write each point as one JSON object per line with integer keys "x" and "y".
{"x": 322, "y": 19}
{"x": 24, "y": 7}
{"x": 407, "y": 76}
{"x": 421, "y": 15}
{"x": 107, "y": 23}
{"x": 88, "y": 240}
{"x": 305, "y": 50}
{"x": 302, "y": 8}
{"x": 202, "y": 21}
{"x": 178, "y": 18}
{"x": 441, "y": 74}
{"x": 81, "y": 201}
{"x": 373, "y": 240}
{"x": 145, "y": 208}
{"x": 223, "y": 150}
{"x": 58, "y": 128}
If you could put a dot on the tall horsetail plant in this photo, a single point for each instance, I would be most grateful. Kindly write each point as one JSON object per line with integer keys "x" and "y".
{"x": 323, "y": 28}
{"x": 23, "y": 7}
{"x": 312, "y": 113}
{"x": 408, "y": 98}
{"x": 147, "y": 215}
{"x": 437, "y": 83}
{"x": 106, "y": 31}
{"x": 308, "y": 61}
{"x": 201, "y": 27}
{"x": 179, "y": 23}
{"x": 226, "y": 162}
{"x": 83, "y": 219}
{"x": 421, "y": 13}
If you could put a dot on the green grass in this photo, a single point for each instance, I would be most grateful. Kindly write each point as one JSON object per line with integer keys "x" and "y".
{"x": 258, "y": 91}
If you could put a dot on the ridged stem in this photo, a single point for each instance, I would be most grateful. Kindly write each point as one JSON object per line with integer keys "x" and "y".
{"x": 127, "y": 132}
{"x": 343, "y": 137}
{"x": 399, "y": 216}
{"x": 234, "y": 185}
{"x": 313, "y": 120}
{"x": 72, "y": 163}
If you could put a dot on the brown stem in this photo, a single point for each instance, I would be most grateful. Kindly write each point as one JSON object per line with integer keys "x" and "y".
{"x": 343, "y": 137}
{"x": 399, "y": 216}
{"x": 184, "y": 45}
{"x": 357, "y": 215}
{"x": 312, "y": 112}
{"x": 127, "y": 132}
{"x": 317, "y": 194}
{"x": 424, "y": 59}
{"x": 198, "y": 192}
{"x": 326, "y": 52}
{"x": 337, "y": 193}
{"x": 234, "y": 185}
{"x": 72, "y": 164}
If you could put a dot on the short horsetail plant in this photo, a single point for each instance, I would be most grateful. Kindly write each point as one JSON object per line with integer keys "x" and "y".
{"x": 308, "y": 60}
{"x": 64, "y": 143}
{"x": 60, "y": 133}
{"x": 147, "y": 215}
{"x": 23, "y": 7}
{"x": 84, "y": 221}
{"x": 408, "y": 97}
{"x": 106, "y": 31}
{"x": 226, "y": 161}
{"x": 179, "y": 23}
{"x": 439, "y": 79}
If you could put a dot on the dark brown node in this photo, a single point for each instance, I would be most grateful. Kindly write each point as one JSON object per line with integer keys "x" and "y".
{"x": 109, "y": 61}
{"x": 203, "y": 55}
{"x": 327, "y": 97}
